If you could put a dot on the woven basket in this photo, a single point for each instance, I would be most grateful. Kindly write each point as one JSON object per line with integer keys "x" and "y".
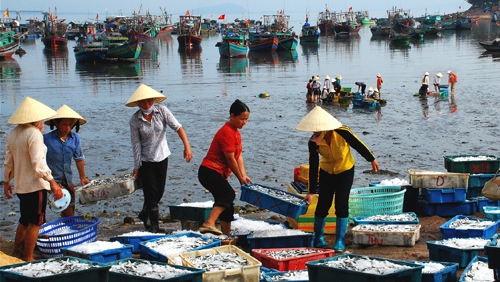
{"x": 374, "y": 200}
{"x": 65, "y": 232}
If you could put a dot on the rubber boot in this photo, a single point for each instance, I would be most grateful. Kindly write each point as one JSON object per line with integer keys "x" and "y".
{"x": 341, "y": 230}
{"x": 143, "y": 215}
{"x": 319, "y": 230}
{"x": 154, "y": 216}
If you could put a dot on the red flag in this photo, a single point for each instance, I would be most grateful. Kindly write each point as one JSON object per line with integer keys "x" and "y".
{"x": 187, "y": 13}
{"x": 350, "y": 8}
{"x": 222, "y": 17}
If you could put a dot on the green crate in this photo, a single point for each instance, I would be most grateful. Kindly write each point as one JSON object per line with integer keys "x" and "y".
{"x": 318, "y": 272}
{"x": 184, "y": 213}
{"x": 98, "y": 273}
{"x": 472, "y": 166}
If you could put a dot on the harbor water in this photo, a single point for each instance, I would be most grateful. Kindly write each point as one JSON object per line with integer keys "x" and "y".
{"x": 407, "y": 133}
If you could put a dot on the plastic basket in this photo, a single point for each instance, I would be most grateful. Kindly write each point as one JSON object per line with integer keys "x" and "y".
{"x": 374, "y": 200}
{"x": 65, "y": 232}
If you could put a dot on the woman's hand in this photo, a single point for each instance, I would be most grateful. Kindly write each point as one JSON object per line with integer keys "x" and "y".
{"x": 375, "y": 166}
{"x": 308, "y": 198}
{"x": 135, "y": 173}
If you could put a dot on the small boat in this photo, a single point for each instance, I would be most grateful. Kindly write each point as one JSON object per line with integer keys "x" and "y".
{"x": 108, "y": 48}
{"x": 189, "y": 31}
{"x": 54, "y": 36}
{"x": 278, "y": 25}
{"x": 326, "y": 22}
{"x": 263, "y": 42}
{"x": 493, "y": 45}
{"x": 166, "y": 26}
{"x": 9, "y": 44}
{"x": 232, "y": 45}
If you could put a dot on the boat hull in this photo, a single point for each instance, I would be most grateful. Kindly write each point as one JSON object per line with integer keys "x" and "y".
{"x": 232, "y": 50}
{"x": 54, "y": 42}
{"x": 129, "y": 50}
{"x": 309, "y": 39}
{"x": 189, "y": 41}
{"x": 8, "y": 44}
{"x": 491, "y": 46}
{"x": 288, "y": 43}
{"x": 269, "y": 44}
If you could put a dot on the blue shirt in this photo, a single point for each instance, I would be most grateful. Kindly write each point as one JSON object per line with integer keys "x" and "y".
{"x": 59, "y": 154}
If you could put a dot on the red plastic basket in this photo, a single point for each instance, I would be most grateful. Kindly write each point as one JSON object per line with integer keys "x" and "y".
{"x": 291, "y": 263}
{"x": 65, "y": 232}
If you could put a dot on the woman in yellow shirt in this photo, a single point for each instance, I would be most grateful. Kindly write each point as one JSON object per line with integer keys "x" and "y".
{"x": 332, "y": 141}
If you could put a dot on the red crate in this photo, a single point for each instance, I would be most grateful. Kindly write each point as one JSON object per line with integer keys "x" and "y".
{"x": 292, "y": 263}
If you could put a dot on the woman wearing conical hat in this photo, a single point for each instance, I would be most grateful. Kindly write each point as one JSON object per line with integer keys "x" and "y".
{"x": 148, "y": 130}
{"x": 62, "y": 146}
{"x": 25, "y": 161}
{"x": 332, "y": 141}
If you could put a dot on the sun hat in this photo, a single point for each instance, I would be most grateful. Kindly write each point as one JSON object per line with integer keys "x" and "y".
{"x": 449, "y": 71}
{"x": 375, "y": 90}
{"x": 30, "y": 110}
{"x": 378, "y": 75}
{"x": 316, "y": 78}
{"x": 426, "y": 73}
{"x": 144, "y": 92}
{"x": 66, "y": 112}
{"x": 338, "y": 76}
{"x": 439, "y": 74}
{"x": 327, "y": 77}
{"x": 370, "y": 88}
{"x": 318, "y": 120}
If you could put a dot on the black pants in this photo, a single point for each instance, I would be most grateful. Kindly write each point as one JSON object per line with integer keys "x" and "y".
{"x": 153, "y": 176}
{"x": 220, "y": 188}
{"x": 338, "y": 185}
{"x": 423, "y": 90}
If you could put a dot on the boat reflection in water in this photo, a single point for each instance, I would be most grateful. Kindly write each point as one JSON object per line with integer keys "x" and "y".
{"x": 110, "y": 70}
{"x": 9, "y": 69}
{"x": 57, "y": 60}
{"x": 232, "y": 65}
{"x": 288, "y": 56}
{"x": 263, "y": 57}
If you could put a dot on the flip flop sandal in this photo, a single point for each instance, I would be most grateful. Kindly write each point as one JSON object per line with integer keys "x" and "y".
{"x": 210, "y": 229}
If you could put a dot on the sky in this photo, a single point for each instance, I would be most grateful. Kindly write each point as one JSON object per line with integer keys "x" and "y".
{"x": 232, "y": 9}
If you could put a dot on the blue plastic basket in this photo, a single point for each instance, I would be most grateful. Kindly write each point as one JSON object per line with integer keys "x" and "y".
{"x": 65, "y": 232}
{"x": 374, "y": 200}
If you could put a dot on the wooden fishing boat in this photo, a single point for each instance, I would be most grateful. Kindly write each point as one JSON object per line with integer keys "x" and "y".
{"x": 54, "y": 36}
{"x": 401, "y": 27}
{"x": 278, "y": 25}
{"x": 165, "y": 25}
{"x": 326, "y": 22}
{"x": 309, "y": 34}
{"x": 189, "y": 31}
{"x": 108, "y": 48}
{"x": 492, "y": 46}
{"x": 9, "y": 44}
{"x": 263, "y": 42}
{"x": 232, "y": 45}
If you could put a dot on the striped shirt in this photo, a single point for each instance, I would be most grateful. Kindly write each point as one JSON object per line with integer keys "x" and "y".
{"x": 149, "y": 139}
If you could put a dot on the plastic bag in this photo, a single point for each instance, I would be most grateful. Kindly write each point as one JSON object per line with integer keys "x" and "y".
{"x": 491, "y": 189}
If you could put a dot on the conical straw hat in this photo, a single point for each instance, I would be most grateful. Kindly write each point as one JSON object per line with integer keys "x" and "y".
{"x": 144, "y": 92}
{"x": 30, "y": 110}
{"x": 318, "y": 120}
{"x": 66, "y": 112}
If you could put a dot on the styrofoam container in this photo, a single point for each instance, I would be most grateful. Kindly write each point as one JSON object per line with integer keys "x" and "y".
{"x": 90, "y": 194}
{"x": 248, "y": 273}
{"x": 434, "y": 179}
{"x": 386, "y": 238}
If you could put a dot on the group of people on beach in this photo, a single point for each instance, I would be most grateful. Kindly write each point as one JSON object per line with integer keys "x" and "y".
{"x": 424, "y": 88}
{"x": 329, "y": 91}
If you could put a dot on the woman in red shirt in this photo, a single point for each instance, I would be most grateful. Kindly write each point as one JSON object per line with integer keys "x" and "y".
{"x": 223, "y": 157}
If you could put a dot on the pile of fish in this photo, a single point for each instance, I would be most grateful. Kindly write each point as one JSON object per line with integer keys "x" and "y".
{"x": 468, "y": 223}
{"x": 301, "y": 275}
{"x": 393, "y": 182}
{"x": 464, "y": 243}
{"x": 291, "y": 253}
{"x": 392, "y": 217}
{"x": 365, "y": 264}
{"x": 388, "y": 227}
{"x": 138, "y": 234}
{"x": 98, "y": 182}
{"x": 96, "y": 247}
{"x": 479, "y": 271}
{"x": 243, "y": 226}
{"x": 50, "y": 267}
{"x": 217, "y": 261}
{"x": 207, "y": 204}
{"x": 277, "y": 233}
{"x": 430, "y": 266}
{"x": 474, "y": 158}
{"x": 144, "y": 268}
{"x": 278, "y": 194}
{"x": 176, "y": 245}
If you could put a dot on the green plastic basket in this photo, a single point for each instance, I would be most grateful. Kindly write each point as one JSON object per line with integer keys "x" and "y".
{"x": 367, "y": 201}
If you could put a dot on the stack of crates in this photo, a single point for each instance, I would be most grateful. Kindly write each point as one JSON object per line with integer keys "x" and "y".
{"x": 305, "y": 222}
{"x": 442, "y": 193}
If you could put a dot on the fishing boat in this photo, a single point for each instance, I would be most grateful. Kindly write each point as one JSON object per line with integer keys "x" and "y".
{"x": 165, "y": 24}
{"x": 262, "y": 42}
{"x": 492, "y": 46}
{"x": 402, "y": 27}
{"x": 9, "y": 44}
{"x": 233, "y": 45}
{"x": 278, "y": 24}
{"x": 189, "y": 31}
{"x": 326, "y": 22}
{"x": 309, "y": 33}
{"x": 108, "y": 48}
{"x": 346, "y": 24}
{"x": 54, "y": 36}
